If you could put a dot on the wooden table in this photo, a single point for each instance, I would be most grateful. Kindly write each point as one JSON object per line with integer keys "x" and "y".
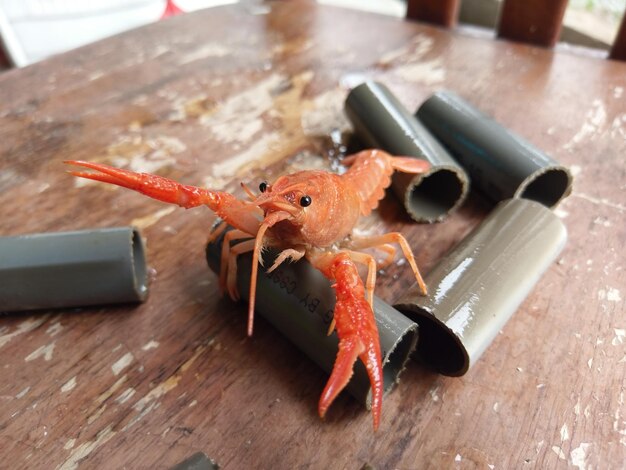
{"x": 246, "y": 92}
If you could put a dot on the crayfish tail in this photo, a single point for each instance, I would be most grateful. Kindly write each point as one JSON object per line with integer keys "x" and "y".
{"x": 370, "y": 172}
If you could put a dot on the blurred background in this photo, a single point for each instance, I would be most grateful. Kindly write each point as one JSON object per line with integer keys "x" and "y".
{"x": 31, "y": 30}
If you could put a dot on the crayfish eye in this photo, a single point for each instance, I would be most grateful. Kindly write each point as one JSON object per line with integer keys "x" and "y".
{"x": 305, "y": 201}
{"x": 263, "y": 186}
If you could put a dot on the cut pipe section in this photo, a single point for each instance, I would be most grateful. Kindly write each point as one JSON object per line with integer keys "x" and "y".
{"x": 72, "y": 269}
{"x": 380, "y": 121}
{"x": 198, "y": 461}
{"x": 476, "y": 288}
{"x": 298, "y": 301}
{"x": 500, "y": 163}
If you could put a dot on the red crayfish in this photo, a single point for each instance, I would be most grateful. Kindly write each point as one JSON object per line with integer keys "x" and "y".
{"x": 307, "y": 214}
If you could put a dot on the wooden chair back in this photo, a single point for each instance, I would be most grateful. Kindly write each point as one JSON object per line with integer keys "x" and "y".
{"x": 533, "y": 21}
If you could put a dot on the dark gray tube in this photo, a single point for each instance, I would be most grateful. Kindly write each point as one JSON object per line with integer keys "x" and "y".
{"x": 198, "y": 461}
{"x": 380, "y": 121}
{"x": 298, "y": 301}
{"x": 72, "y": 269}
{"x": 499, "y": 162}
{"x": 476, "y": 288}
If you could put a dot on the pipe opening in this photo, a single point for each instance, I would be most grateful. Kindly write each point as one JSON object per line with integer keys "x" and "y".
{"x": 140, "y": 272}
{"x": 432, "y": 196}
{"x": 395, "y": 361}
{"x": 438, "y": 347}
{"x": 547, "y": 187}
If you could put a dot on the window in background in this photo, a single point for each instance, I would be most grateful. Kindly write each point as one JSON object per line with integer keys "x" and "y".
{"x": 32, "y": 30}
{"x": 597, "y": 19}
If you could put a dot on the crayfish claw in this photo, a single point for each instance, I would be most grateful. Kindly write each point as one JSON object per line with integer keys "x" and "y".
{"x": 357, "y": 331}
{"x": 231, "y": 270}
{"x": 154, "y": 186}
{"x": 217, "y": 231}
{"x": 349, "y": 350}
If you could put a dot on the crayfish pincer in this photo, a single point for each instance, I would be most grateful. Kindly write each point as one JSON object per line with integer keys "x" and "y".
{"x": 307, "y": 214}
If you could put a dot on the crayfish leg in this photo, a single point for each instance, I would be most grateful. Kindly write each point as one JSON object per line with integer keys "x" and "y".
{"x": 385, "y": 240}
{"x": 216, "y": 232}
{"x": 290, "y": 254}
{"x": 231, "y": 275}
{"x": 225, "y": 261}
{"x": 390, "y": 252}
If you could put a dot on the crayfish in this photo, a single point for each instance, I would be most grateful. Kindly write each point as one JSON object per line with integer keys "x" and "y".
{"x": 307, "y": 214}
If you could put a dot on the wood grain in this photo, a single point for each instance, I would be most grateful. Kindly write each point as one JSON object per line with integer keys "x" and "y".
{"x": 243, "y": 93}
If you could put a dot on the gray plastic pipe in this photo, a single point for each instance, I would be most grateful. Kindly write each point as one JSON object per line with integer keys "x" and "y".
{"x": 198, "y": 461}
{"x": 476, "y": 288}
{"x": 500, "y": 163}
{"x": 379, "y": 120}
{"x": 72, "y": 269}
{"x": 298, "y": 301}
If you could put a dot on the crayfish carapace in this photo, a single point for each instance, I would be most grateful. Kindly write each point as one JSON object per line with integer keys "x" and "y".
{"x": 307, "y": 214}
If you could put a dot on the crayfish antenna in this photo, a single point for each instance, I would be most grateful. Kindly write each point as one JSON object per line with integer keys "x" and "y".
{"x": 257, "y": 259}
{"x": 253, "y": 275}
{"x": 247, "y": 190}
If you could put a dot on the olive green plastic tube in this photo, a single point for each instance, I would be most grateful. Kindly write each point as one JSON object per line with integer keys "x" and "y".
{"x": 476, "y": 288}
{"x": 379, "y": 120}
{"x": 298, "y": 301}
{"x": 500, "y": 163}
{"x": 72, "y": 269}
{"x": 198, "y": 461}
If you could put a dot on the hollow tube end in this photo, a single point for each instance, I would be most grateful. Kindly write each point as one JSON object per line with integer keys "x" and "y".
{"x": 438, "y": 348}
{"x": 139, "y": 265}
{"x": 98, "y": 266}
{"x": 480, "y": 284}
{"x": 548, "y": 186}
{"x": 380, "y": 120}
{"x": 432, "y": 196}
{"x": 501, "y": 163}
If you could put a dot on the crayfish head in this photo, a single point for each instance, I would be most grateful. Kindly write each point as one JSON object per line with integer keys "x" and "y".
{"x": 319, "y": 209}
{"x": 288, "y": 195}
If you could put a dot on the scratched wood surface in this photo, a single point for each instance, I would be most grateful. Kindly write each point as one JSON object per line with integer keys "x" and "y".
{"x": 244, "y": 93}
